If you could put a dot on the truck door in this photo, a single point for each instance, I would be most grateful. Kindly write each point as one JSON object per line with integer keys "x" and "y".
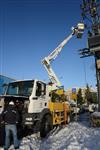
{"x": 41, "y": 95}
{"x": 38, "y": 100}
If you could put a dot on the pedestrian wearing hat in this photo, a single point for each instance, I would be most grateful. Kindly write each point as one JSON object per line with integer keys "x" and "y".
{"x": 10, "y": 117}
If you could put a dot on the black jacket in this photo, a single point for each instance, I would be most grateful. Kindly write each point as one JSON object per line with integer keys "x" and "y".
{"x": 1, "y": 120}
{"x": 10, "y": 115}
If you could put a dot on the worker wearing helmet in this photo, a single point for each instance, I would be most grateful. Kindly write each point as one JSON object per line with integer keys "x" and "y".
{"x": 10, "y": 117}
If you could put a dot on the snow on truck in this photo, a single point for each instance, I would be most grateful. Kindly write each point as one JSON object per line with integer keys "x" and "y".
{"x": 42, "y": 106}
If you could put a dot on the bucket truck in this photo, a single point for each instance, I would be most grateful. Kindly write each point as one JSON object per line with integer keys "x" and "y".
{"x": 39, "y": 107}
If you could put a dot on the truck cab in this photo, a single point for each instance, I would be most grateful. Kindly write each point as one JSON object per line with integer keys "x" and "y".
{"x": 39, "y": 107}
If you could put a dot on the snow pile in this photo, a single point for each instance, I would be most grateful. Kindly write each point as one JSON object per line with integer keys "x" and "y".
{"x": 75, "y": 136}
{"x": 96, "y": 114}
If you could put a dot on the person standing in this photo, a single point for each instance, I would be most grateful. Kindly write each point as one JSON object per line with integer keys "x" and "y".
{"x": 1, "y": 127}
{"x": 10, "y": 117}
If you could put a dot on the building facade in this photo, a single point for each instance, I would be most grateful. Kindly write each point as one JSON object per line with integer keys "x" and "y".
{"x": 72, "y": 92}
{"x": 3, "y": 81}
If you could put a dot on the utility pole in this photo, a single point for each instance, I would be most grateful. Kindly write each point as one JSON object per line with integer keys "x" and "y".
{"x": 91, "y": 18}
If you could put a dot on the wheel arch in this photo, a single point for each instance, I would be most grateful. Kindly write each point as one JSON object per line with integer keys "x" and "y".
{"x": 45, "y": 112}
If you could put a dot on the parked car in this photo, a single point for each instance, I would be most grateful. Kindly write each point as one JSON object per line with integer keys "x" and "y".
{"x": 74, "y": 106}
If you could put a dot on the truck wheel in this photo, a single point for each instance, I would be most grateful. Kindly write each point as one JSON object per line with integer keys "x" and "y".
{"x": 46, "y": 125}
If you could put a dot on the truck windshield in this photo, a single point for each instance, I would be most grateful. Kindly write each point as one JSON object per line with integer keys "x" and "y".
{"x": 22, "y": 88}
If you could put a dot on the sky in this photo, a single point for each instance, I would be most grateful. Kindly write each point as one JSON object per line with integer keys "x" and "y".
{"x": 31, "y": 29}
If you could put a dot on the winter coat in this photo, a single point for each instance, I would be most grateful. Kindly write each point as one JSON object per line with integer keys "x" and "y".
{"x": 1, "y": 120}
{"x": 2, "y": 133}
{"x": 10, "y": 115}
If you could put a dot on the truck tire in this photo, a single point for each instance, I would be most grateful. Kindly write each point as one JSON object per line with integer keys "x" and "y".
{"x": 46, "y": 125}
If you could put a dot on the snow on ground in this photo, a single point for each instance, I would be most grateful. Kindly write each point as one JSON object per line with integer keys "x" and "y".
{"x": 75, "y": 136}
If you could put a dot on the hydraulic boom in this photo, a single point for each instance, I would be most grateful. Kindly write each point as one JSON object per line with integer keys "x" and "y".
{"x": 78, "y": 31}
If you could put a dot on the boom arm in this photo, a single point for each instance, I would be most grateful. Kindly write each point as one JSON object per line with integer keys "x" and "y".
{"x": 47, "y": 60}
{"x": 55, "y": 53}
{"x": 50, "y": 72}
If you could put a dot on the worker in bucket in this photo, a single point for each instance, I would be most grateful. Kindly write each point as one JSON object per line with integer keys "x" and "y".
{"x": 10, "y": 117}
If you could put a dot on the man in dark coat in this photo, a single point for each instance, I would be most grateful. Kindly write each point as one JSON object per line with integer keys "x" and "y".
{"x": 1, "y": 128}
{"x": 10, "y": 117}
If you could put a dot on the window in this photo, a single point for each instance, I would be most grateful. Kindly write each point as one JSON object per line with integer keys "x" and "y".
{"x": 22, "y": 88}
{"x": 41, "y": 89}
{"x": 38, "y": 89}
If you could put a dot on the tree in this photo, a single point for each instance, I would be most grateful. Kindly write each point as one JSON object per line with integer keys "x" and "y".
{"x": 80, "y": 100}
{"x": 90, "y": 97}
{"x": 94, "y": 97}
